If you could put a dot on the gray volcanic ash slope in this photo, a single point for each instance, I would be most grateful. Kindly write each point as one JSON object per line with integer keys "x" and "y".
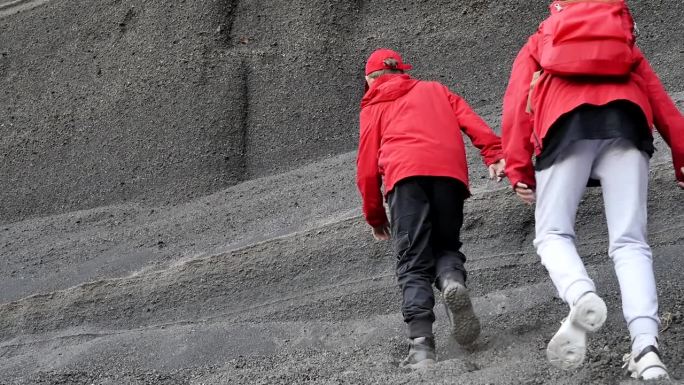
{"x": 179, "y": 203}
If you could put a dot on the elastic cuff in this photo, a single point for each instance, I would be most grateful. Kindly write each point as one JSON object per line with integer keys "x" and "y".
{"x": 643, "y": 325}
{"x": 577, "y": 289}
{"x": 641, "y": 341}
{"x": 420, "y": 328}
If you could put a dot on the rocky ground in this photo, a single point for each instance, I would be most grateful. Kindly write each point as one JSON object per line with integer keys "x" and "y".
{"x": 304, "y": 296}
{"x": 274, "y": 278}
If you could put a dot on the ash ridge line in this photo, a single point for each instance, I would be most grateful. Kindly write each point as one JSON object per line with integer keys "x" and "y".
{"x": 16, "y": 6}
{"x": 347, "y": 219}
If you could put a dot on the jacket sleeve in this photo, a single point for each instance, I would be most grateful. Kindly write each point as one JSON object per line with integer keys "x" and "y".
{"x": 480, "y": 134}
{"x": 368, "y": 178}
{"x": 666, "y": 117}
{"x": 516, "y": 124}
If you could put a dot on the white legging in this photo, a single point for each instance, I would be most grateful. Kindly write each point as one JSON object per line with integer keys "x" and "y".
{"x": 623, "y": 172}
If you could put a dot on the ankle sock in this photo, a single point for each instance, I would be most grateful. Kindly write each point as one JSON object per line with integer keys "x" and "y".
{"x": 641, "y": 341}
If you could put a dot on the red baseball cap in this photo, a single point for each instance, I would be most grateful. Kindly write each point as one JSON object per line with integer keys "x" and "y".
{"x": 376, "y": 61}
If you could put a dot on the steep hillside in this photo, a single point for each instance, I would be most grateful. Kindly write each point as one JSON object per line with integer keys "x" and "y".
{"x": 179, "y": 206}
{"x": 163, "y": 101}
{"x": 320, "y": 306}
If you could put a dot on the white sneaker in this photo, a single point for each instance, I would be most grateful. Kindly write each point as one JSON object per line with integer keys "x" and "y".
{"x": 646, "y": 365}
{"x": 568, "y": 346}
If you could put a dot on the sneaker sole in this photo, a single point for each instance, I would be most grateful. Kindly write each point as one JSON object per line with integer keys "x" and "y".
{"x": 652, "y": 374}
{"x": 567, "y": 348}
{"x": 465, "y": 326}
{"x": 652, "y": 368}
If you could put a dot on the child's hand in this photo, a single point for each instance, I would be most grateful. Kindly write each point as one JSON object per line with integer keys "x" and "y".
{"x": 381, "y": 233}
{"x": 681, "y": 184}
{"x": 497, "y": 170}
{"x": 525, "y": 193}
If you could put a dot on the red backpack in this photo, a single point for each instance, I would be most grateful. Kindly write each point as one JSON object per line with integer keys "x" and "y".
{"x": 588, "y": 38}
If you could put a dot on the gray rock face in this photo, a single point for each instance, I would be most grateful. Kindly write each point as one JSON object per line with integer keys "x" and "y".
{"x": 178, "y": 202}
{"x": 110, "y": 101}
{"x": 148, "y": 101}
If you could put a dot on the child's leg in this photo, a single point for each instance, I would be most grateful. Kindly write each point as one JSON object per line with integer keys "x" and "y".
{"x": 411, "y": 229}
{"x": 447, "y": 198}
{"x": 623, "y": 171}
{"x": 559, "y": 190}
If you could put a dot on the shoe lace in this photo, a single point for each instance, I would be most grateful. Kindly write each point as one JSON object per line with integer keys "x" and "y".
{"x": 625, "y": 360}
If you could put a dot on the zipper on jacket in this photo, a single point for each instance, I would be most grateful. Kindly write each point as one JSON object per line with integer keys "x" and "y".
{"x": 528, "y": 109}
{"x": 535, "y": 79}
{"x": 537, "y": 142}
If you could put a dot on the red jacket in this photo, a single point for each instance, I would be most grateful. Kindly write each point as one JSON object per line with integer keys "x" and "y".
{"x": 523, "y": 130}
{"x": 411, "y": 128}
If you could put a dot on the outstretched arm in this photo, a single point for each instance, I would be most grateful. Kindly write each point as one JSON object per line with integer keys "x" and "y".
{"x": 666, "y": 117}
{"x": 368, "y": 178}
{"x": 480, "y": 134}
{"x": 516, "y": 123}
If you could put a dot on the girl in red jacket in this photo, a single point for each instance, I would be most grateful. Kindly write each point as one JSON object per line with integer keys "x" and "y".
{"x": 410, "y": 141}
{"x": 590, "y": 129}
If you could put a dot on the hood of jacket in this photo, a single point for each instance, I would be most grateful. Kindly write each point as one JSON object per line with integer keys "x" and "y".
{"x": 387, "y": 88}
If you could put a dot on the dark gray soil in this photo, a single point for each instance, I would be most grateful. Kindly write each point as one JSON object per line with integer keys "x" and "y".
{"x": 320, "y": 305}
{"x": 151, "y": 101}
{"x": 179, "y": 206}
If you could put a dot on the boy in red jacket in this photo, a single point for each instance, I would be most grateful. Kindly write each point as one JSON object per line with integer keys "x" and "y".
{"x": 586, "y": 129}
{"x": 410, "y": 140}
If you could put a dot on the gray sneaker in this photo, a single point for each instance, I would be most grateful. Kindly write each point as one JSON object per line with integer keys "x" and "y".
{"x": 421, "y": 353}
{"x": 464, "y": 324}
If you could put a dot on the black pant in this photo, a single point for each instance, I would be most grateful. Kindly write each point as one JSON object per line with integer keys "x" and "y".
{"x": 426, "y": 218}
